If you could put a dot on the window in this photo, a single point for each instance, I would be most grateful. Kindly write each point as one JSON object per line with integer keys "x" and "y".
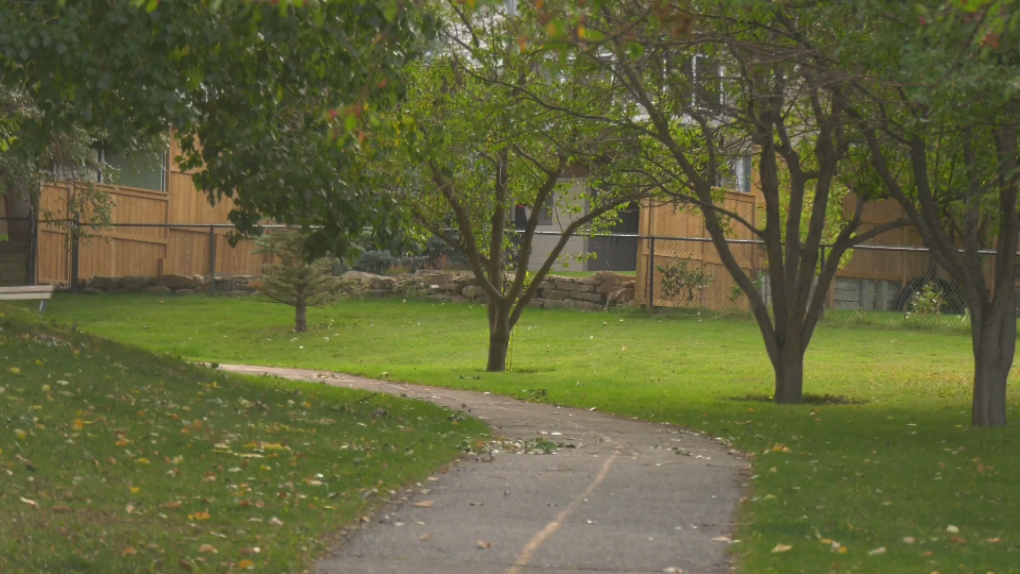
{"x": 545, "y": 214}
{"x": 140, "y": 170}
{"x": 736, "y": 175}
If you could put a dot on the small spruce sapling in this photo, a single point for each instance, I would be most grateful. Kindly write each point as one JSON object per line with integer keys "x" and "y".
{"x": 291, "y": 279}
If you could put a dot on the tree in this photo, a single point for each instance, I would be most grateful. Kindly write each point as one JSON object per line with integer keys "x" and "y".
{"x": 466, "y": 148}
{"x": 294, "y": 280}
{"x": 247, "y": 87}
{"x": 732, "y": 85}
{"x": 940, "y": 112}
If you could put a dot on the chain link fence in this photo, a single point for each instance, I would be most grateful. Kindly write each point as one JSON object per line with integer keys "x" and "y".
{"x": 894, "y": 286}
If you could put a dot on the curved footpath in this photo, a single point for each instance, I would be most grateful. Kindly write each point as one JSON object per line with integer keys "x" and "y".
{"x": 620, "y": 496}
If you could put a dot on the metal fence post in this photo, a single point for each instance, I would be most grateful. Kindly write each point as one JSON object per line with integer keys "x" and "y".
{"x": 651, "y": 276}
{"x": 75, "y": 254}
{"x": 212, "y": 259}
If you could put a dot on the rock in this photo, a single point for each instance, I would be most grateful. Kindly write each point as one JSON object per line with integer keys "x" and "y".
{"x": 134, "y": 282}
{"x": 104, "y": 283}
{"x": 158, "y": 290}
{"x": 589, "y": 297}
{"x": 383, "y": 283}
{"x": 450, "y": 288}
{"x": 546, "y": 285}
{"x": 555, "y": 295}
{"x": 571, "y": 286}
{"x": 472, "y": 292}
{"x": 176, "y": 282}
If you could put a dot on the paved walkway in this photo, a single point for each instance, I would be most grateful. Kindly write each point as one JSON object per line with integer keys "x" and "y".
{"x": 629, "y": 497}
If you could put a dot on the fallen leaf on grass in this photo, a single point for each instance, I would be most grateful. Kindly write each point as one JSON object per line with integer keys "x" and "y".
{"x": 129, "y": 508}
{"x": 877, "y": 552}
{"x": 174, "y": 504}
{"x": 958, "y": 540}
{"x": 129, "y": 551}
{"x": 781, "y": 548}
{"x": 993, "y": 540}
{"x": 204, "y": 515}
{"x": 77, "y": 424}
{"x": 61, "y": 508}
{"x": 28, "y": 501}
{"x": 909, "y": 539}
{"x": 208, "y": 549}
{"x": 245, "y": 564}
{"x": 135, "y": 489}
{"x": 952, "y": 529}
{"x": 484, "y": 545}
{"x": 185, "y": 564}
{"x": 424, "y": 504}
{"x": 274, "y": 521}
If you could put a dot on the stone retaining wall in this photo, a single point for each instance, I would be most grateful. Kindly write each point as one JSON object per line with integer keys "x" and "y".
{"x": 592, "y": 293}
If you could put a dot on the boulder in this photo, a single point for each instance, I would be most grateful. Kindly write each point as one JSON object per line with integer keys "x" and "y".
{"x": 158, "y": 290}
{"x": 104, "y": 283}
{"x": 176, "y": 282}
{"x": 589, "y": 297}
{"x": 134, "y": 282}
{"x": 554, "y": 295}
{"x": 472, "y": 292}
{"x": 572, "y": 286}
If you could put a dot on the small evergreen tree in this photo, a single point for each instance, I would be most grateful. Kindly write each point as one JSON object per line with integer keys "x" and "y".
{"x": 291, "y": 279}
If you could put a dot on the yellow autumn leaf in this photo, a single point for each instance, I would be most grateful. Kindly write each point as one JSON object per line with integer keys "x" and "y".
{"x": 781, "y": 548}
{"x": 15, "y": 370}
{"x": 121, "y": 442}
{"x": 39, "y": 363}
{"x": 245, "y": 564}
{"x": 306, "y": 404}
{"x": 204, "y": 515}
{"x": 135, "y": 489}
{"x": 77, "y": 424}
{"x": 20, "y": 434}
{"x": 129, "y": 551}
{"x": 45, "y": 388}
{"x": 142, "y": 461}
{"x": 208, "y": 549}
{"x": 272, "y": 446}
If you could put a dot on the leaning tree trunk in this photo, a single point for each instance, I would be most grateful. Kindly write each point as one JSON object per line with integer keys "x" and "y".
{"x": 993, "y": 334}
{"x": 789, "y": 369}
{"x": 499, "y": 335}
{"x": 300, "y": 314}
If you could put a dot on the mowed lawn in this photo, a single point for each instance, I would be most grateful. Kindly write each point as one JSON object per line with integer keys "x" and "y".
{"x": 896, "y": 484}
{"x": 113, "y": 460}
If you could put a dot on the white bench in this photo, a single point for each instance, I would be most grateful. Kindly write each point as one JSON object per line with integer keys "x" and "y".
{"x": 41, "y": 293}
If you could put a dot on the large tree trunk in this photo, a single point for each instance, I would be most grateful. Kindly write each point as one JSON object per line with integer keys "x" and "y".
{"x": 301, "y": 315}
{"x": 18, "y": 205}
{"x": 789, "y": 369}
{"x": 993, "y": 334}
{"x": 499, "y": 335}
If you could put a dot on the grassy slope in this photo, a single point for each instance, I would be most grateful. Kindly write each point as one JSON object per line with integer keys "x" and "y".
{"x": 114, "y": 460}
{"x": 904, "y": 464}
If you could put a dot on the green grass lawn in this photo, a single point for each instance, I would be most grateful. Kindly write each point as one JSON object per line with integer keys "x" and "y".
{"x": 115, "y": 460}
{"x": 902, "y": 465}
